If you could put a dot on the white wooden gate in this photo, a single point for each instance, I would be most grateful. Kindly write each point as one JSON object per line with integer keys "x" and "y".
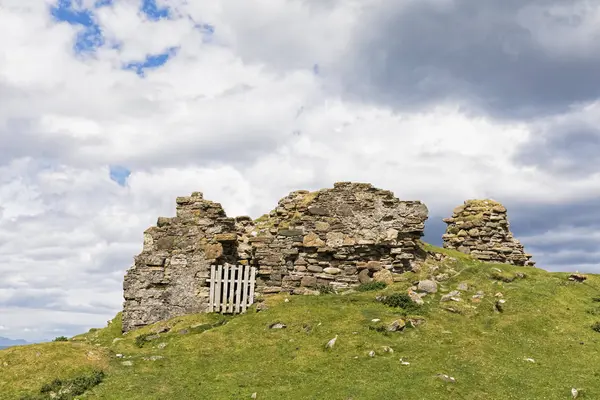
{"x": 231, "y": 288}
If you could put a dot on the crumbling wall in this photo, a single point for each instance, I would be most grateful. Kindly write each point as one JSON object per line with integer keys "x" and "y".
{"x": 168, "y": 278}
{"x": 335, "y": 237}
{"x": 481, "y": 228}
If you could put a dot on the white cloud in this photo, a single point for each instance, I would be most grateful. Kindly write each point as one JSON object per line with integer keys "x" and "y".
{"x": 241, "y": 118}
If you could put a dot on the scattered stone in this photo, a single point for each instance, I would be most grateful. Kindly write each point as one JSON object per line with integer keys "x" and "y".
{"x": 162, "y": 345}
{"x": 498, "y": 295}
{"x": 375, "y": 320}
{"x": 577, "y": 277}
{"x": 363, "y": 276}
{"x": 402, "y": 362}
{"x": 119, "y": 355}
{"x": 463, "y": 286}
{"x": 388, "y": 349}
{"x": 153, "y": 358}
{"x": 253, "y": 396}
{"x": 396, "y": 326}
{"x": 184, "y": 332}
{"x": 127, "y": 363}
{"x": 446, "y": 378}
{"x": 287, "y": 300}
{"x": 331, "y": 343}
{"x": 452, "y": 296}
{"x": 371, "y": 353}
{"x": 277, "y": 325}
{"x": 261, "y": 307}
{"x": 531, "y": 360}
{"x": 415, "y": 297}
{"x": 384, "y": 276}
{"x": 574, "y": 393}
{"x": 520, "y": 275}
{"x": 427, "y": 286}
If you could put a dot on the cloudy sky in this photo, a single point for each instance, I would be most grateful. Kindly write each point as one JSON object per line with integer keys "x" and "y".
{"x": 111, "y": 109}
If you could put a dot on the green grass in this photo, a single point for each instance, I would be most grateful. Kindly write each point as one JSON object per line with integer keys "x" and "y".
{"x": 546, "y": 318}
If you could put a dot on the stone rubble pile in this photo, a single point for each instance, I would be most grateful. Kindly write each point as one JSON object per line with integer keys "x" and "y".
{"x": 480, "y": 228}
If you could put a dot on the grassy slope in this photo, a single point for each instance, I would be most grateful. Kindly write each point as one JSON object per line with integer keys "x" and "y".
{"x": 546, "y": 318}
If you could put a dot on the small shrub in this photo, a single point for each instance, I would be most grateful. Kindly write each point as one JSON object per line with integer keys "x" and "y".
{"x": 67, "y": 389}
{"x": 369, "y": 286}
{"x": 92, "y": 330}
{"x": 60, "y": 339}
{"x": 400, "y": 300}
{"x": 141, "y": 339}
{"x": 325, "y": 289}
{"x": 596, "y": 326}
{"x": 596, "y": 299}
{"x": 503, "y": 276}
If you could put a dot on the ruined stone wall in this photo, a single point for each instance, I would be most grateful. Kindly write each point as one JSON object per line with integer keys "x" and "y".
{"x": 168, "y": 278}
{"x": 334, "y": 237}
{"x": 481, "y": 228}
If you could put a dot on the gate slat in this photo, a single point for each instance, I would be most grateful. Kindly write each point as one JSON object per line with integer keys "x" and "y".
{"x": 245, "y": 282}
{"x": 238, "y": 294}
{"x": 231, "y": 289}
{"x": 225, "y": 288}
{"x": 252, "y": 277}
{"x": 218, "y": 288}
{"x": 211, "y": 297}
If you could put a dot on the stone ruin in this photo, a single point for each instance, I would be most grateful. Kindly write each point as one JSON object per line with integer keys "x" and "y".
{"x": 333, "y": 237}
{"x": 336, "y": 238}
{"x": 480, "y": 228}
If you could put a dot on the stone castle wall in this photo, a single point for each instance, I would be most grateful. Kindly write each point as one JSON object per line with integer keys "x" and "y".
{"x": 481, "y": 228}
{"x": 334, "y": 237}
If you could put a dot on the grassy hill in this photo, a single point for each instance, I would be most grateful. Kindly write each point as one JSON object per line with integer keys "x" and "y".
{"x": 539, "y": 346}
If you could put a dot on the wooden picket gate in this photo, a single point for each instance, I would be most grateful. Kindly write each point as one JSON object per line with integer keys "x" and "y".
{"x": 231, "y": 288}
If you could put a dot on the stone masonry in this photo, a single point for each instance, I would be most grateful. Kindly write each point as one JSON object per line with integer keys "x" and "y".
{"x": 480, "y": 228}
{"x": 333, "y": 237}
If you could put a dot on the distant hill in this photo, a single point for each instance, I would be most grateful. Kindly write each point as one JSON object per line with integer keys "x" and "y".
{"x": 6, "y": 342}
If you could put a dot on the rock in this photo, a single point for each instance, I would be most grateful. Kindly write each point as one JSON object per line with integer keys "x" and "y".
{"x": 577, "y": 277}
{"x": 452, "y": 296}
{"x": 153, "y": 358}
{"x": 127, "y": 363}
{"x": 308, "y": 281}
{"x": 384, "y": 276}
{"x": 119, "y": 355}
{"x": 183, "y": 331}
{"x": 253, "y": 396}
{"x": 427, "y": 286}
{"x": 446, "y": 378}
{"x": 396, "y": 326}
{"x": 388, "y": 349}
{"x": 363, "y": 276}
{"x": 277, "y": 325}
{"x": 402, "y": 362}
{"x": 463, "y": 286}
{"x": 162, "y": 345}
{"x": 312, "y": 240}
{"x": 371, "y": 353}
{"x": 415, "y": 297}
{"x": 332, "y": 271}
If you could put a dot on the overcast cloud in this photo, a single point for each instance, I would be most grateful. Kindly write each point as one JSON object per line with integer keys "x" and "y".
{"x": 111, "y": 109}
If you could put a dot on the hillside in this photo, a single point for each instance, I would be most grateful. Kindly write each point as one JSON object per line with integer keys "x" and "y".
{"x": 539, "y": 346}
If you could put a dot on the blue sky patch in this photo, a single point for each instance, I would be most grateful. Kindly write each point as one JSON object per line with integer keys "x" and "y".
{"x": 151, "y": 61}
{"x": 119, "y": 174}
{"x": 153, "y": 12}
{"x": 90, "y": 36}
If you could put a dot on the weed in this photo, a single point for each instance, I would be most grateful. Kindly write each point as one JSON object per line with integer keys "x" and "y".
{"x": 141, "y": 339}
{"x": 400, "y": 300}
{"x": 325, "y": 289}
{"x": 596, "y": 326}
{"x": 369, "y": 286}
{"x": 67, "y": 389}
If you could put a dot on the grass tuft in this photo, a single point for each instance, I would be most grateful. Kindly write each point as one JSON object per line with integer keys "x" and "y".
{"x": 371, "y": 286}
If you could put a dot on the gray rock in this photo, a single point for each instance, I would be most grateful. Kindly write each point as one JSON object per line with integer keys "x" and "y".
{"x": 127, "y": 363}
{"x": 463, "y": 286}
{"x": 396, "y": 326}
{"x": 277, "y": 325}
{"x": 427, "y": 286}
